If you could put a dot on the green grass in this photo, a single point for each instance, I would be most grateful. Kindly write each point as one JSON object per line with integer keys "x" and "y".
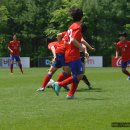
{"x": 22, "y": 108}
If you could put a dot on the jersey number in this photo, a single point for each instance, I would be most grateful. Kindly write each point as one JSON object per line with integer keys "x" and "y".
{"x": 69, "y": 36}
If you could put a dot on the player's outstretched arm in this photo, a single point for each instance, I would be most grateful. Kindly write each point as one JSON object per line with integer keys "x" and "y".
{"x": 86, "y": 52}
{"x": 87, "y": 44}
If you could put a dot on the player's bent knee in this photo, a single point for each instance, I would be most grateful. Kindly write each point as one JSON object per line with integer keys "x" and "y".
{"x": 52, "y": 70}
{"x": 75, "y": 79}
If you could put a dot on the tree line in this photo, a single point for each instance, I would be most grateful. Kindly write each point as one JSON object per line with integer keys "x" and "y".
{"x": 35, "y": 20}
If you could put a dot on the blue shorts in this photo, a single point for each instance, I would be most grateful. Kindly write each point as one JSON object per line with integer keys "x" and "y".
{"x": 17, "y": 58}
{"x": 76, "y": 67}
{"x": 60, "y": 61}
{"x": 124, "y": 64}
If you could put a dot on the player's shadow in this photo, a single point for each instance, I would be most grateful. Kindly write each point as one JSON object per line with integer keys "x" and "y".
{"x": 96, "y": 99}
{"x": 89, "y": 90}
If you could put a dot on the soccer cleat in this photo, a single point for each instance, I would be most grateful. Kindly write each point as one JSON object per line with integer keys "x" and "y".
{"x": 128, "y": 78}
{"x": 70, "y": 97}
{"x": 90, "y": 87}
{"x": 56, "y": 88}
{"x": 40, "y": 89}
{"x": 86, "y": 81}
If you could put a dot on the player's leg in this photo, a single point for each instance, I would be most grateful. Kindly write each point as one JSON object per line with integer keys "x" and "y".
{"x": 11, "y": 63}
{"x": 58, "y": 85}
{"x": 124, "y": 66}
{"x": 72, "y": 90}
{"x": 47, "y": 78}
{"x": 74, "y": 86}
{"x": 85, "y": 79}
{"x": 77, "y": 71}
{"x": 65, "y": 66}
{"x": 17, "y": 58}
{"x": 66, "y": 71}
{"x": 55, "y": 65}
{"x": 64, "y": 75}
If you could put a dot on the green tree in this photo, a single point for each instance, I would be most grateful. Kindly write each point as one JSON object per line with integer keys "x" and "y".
{"x": 34, "y": 20}
{"x": 59, "y": 17}
{"x": 128, "y": 17}
{"x": 28, "y": 19}
{"x": 3, "y": 24}
{"x": 105, "y": 19}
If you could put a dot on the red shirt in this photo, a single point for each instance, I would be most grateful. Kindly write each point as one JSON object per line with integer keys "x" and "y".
{"x": 124, "y": 49}
{"x": 52, "y": 44}
{"x": 72, "y": 53}
{"x": 15, "y": 47}
{"x": 61, "y": 46}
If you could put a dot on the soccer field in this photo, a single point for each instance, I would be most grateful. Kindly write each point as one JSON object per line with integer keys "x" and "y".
{"x": 22, "y": 108}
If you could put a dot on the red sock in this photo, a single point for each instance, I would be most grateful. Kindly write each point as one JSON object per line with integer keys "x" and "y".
{"x": 66, "y": 81}
{"x": 62, "y": 76}
{"x": 46, "y": 80}
{"x": 73, "y": 88}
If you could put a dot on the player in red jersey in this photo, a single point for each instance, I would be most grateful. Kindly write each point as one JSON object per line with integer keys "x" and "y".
{"x": 57, "y": 49}
{"x": 14, "y": 48}
{"x": 123, "y": 46}
{"x": 83, "y": 55}
{"x": 72, "y": 40}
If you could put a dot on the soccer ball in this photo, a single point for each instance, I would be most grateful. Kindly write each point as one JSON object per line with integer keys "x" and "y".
{"x": 50, "y": 83}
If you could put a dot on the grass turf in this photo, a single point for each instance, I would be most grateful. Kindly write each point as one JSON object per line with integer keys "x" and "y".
{"x": 22, "y": 108}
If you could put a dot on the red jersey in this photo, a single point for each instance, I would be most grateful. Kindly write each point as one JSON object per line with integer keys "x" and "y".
{"x": 72, "y": 53}
{"x": 61, "y": 46}
{"x": 15, "y": 47}
{"x": 55, "y": 44}
{"x": 124, "y": 49}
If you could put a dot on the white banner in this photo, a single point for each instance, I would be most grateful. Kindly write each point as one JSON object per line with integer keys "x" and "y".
{"x": 5, "y": 62}
{"x": 94, "y": 61}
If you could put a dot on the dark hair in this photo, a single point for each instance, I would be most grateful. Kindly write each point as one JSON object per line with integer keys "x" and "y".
{"x": 76, "y": 14}
{"x": 122, "y": 34}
